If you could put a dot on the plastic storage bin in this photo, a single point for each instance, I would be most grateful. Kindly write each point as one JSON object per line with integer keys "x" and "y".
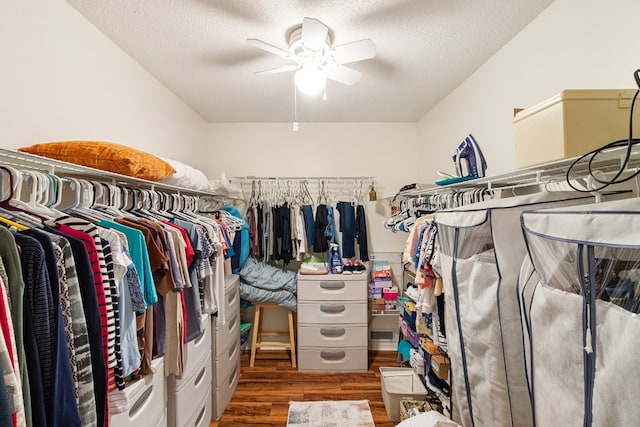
{"x": 572, "y": 123}
{"x": 407, "y": 405}
{"x": 398, "y": 384}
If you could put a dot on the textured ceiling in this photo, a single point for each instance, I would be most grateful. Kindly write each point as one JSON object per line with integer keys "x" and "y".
{"x": 198, "y": 49}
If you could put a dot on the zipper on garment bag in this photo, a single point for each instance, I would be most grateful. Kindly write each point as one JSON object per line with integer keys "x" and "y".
{"x": 456, "y": 296}
{"x": 590, "y": 334}
{"x": 587, "y": 330}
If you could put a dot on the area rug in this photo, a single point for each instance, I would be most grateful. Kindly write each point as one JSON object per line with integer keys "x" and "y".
{"x": 334, "y": 413}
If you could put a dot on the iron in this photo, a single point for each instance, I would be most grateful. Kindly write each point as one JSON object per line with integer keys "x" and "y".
{"x": 470, "y": 152}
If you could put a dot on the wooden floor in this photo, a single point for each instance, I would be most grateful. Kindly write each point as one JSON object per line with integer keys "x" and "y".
{"x": 264, "y": 391}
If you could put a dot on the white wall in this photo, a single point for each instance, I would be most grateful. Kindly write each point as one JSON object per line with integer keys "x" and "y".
{"x": 62, "y": 79}
{"x": 573, "y": 44}
{"x": 383, "y": 150}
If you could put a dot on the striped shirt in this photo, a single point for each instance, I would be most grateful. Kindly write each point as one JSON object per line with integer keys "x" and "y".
{"x": 76, "y": 330}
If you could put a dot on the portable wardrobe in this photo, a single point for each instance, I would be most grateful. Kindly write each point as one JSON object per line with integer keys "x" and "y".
{"x": 481, "y": 251}
{"x": 580, "y": 308}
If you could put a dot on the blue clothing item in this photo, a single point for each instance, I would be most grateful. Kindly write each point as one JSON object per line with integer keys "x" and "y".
{"x": 348, "y": 228}
{"x": 361, "y": 233}
{"x": 309, "y": 225}
{"x": 61, "y": 407}
{"x": 416, "y": 255}
{"x": 320, "y": 227}
{"x": 330, "y": 231}
{"x": 243, "y": 254}
{"x": 140, "y": 256}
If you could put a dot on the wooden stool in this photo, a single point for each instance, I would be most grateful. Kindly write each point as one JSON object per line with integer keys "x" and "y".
{"x": 257, "y": 342}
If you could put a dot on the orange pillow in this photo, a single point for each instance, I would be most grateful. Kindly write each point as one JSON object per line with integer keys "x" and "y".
{"x": 105, "y": 156}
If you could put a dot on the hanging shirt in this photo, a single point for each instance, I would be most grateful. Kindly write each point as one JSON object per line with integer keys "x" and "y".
{"x": 321, "y": 222}
{"x": 11, "y": 262}
{"x": 140, "y": 258}
{"x": 75, "y": 327}
{"x": 191, "y": 293}
{"x": 91, "y": 308}
{"x": 42, "y": 295}
{"x": 9, "y": 364}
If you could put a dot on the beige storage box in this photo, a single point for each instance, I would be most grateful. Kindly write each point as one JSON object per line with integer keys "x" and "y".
{"x": 571, "y": 124}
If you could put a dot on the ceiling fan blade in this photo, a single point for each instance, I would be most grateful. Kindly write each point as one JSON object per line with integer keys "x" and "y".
{"x": 282, "y": 69}
{"x": 355, "y": 51}
{"x": 314, "y": 34}
{"x": 345, "y": 75}
{"x": 269, "y": 48}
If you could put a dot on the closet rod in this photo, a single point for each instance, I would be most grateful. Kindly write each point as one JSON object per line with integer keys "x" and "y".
{"x": 22, "y": 160}
{"x": 326, "y": 178}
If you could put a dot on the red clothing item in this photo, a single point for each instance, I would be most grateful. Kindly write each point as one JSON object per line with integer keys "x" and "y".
{"x": 6, "y": 332}
{"x": 94, "y": 258}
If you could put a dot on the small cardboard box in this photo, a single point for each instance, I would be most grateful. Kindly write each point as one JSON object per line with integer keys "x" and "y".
{"x": 390, "y": 293}
{"x": 382, "y": 283}
{"x": 440, "y": 366}
{"x": 572, "y": 123}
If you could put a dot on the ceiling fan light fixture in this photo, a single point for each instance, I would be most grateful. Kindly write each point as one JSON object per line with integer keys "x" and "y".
{"x": 310, "y": 79}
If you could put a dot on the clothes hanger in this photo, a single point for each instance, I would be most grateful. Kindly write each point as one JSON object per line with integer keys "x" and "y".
{"x": 14, "y": 204}
{"x": 85, "y": 197}
{"x": 5, "y": 219}
{"x": 38, "y": 197}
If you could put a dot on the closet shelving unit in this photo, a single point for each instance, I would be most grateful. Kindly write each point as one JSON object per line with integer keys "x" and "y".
{"x": 550, "y": 175}
{"x": 152, "y": 394}
{"x": 20, "y": 160}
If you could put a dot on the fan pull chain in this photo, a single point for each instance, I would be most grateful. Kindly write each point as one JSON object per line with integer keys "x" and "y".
{"x": 296, "y": 126}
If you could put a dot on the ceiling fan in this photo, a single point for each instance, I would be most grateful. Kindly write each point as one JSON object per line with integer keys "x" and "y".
{"x": 315, "y": 60}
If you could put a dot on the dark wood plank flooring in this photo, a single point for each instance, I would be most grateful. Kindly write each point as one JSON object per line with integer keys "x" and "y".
{"x": 264, "y": 391}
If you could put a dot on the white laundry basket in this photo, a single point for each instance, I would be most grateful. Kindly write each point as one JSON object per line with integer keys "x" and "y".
{"x": 399, "y": 383}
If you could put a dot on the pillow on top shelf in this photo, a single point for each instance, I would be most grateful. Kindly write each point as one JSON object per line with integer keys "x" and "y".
{"x": 106, "y": 156}
{"x": 186, "y": 176}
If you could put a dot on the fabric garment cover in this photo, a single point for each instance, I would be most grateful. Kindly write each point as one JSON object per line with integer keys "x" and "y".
{"x": 581, "y": 295}
{"x": 481, "y": 250}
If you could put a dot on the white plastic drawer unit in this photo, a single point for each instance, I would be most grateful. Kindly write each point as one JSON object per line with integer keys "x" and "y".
{"x": 225, "y": 359}
{"x": 332, "y": 336}
{"x": 202, "y": 415}
{"x": 333, "y": 359}
{"x": 147, "y": 400}
{"x": 192, "y": 393}
{"x": 332, "y": 312}
{"x": 224, "y": 391}
{"x": 195, "y": 352}
{"x": 332, "y": 288}
{"x": 231, "y": 303}
{"x": 229, "y": 332}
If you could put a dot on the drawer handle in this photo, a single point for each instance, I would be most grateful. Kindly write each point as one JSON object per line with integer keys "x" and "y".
{"x": 330, "y": 308}
{"x": 200, "y": 376}
{"x": 200, "y": 415}
{"x": 332, "y": 332}
{"x": 232, "y": 296}
{"x": 332, "y": 355}
{"x": 233, "y": 377}
{"x": 234, "y": 322}
{"x": 140, "y": 403}
{"x": 332, "y": 285}
{"x": 232, "y": 351}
